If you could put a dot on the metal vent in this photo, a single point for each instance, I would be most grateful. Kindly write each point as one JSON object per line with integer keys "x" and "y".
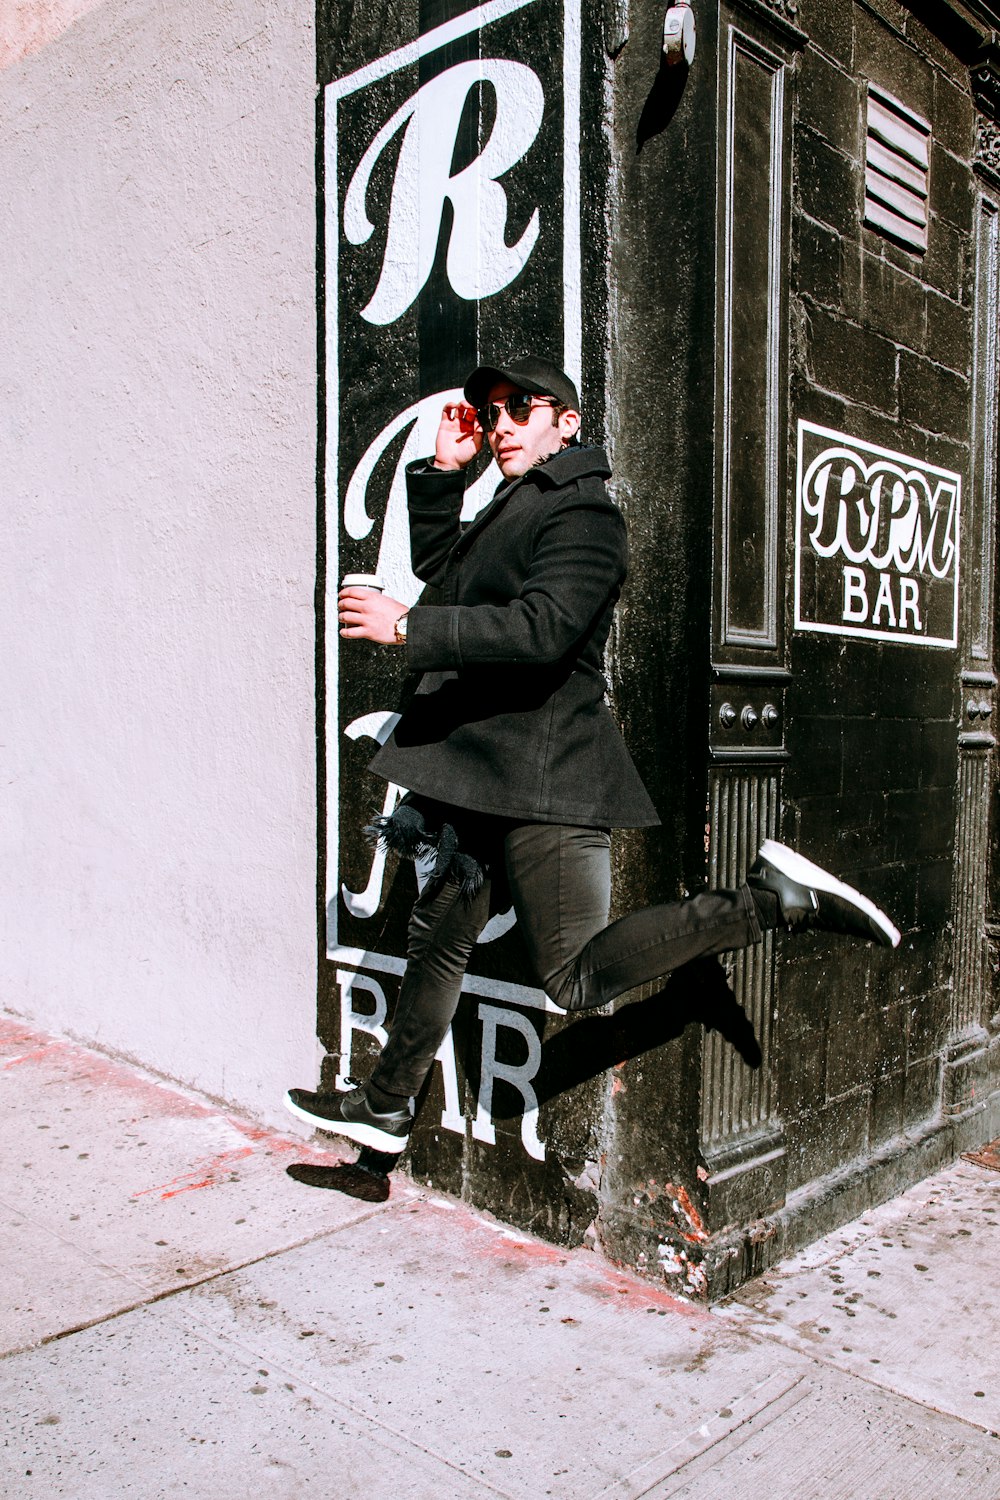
{"x": 896, "y": 170}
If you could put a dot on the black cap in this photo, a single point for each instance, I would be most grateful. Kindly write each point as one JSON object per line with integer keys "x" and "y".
{"x": 529, "y": 373}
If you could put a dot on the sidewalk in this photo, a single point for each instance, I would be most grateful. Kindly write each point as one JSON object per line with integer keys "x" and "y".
{"x": 181, "y": 1318}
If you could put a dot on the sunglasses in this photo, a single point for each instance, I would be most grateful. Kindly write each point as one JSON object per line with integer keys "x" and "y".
{"x": 518, "y": 406}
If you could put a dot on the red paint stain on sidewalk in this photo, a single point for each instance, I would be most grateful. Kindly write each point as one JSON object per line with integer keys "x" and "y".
{"x": 213, "y": 1171}
{"x": 144, "y": 1096}
{"x": 208, "y": 1173}
{"x": 496, "y": 1242}
{"x": 91, "y": 1070}
{"x": 140, "y": 1096}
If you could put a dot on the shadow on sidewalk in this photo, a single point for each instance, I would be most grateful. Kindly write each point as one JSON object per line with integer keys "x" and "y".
{"x": 367, "y": 1178}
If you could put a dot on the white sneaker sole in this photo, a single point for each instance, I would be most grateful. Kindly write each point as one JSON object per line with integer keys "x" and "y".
{"x": 797, "y": 867}
{"x": 365, "y": 1135}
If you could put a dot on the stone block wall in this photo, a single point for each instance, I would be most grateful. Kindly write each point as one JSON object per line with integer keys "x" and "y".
{"x": 881, "y": 348}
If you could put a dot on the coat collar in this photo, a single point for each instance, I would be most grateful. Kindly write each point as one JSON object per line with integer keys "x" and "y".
{"x": 571, "y": 464}
{"x": 563, "y": 468}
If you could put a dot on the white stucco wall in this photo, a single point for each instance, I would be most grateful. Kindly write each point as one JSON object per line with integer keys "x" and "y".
{"x": 157, "y": 461}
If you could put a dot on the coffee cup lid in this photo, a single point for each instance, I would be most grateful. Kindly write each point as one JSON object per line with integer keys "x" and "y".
{"x": 361, "y": 581}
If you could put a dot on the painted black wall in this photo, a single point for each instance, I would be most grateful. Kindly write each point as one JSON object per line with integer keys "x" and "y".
{"x": 372, "y": 373}
{"x": 661, "y": 367}
{"x": 853, "y": 1071}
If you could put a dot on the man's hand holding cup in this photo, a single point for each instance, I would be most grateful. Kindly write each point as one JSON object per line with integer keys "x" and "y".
{"x": 366, "y": 614}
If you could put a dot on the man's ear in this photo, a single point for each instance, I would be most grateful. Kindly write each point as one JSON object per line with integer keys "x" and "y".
{"x": 569, "y": 424}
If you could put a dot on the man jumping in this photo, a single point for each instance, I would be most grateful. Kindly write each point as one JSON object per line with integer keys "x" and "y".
{"x": 515, "y": 769}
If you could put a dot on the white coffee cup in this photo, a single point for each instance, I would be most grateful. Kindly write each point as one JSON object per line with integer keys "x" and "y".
{"x": 362, "y": 581}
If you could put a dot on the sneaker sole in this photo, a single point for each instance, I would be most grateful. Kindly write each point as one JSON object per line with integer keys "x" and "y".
{"x": 797, "y": 867}
{"x": 365, "y": 1135}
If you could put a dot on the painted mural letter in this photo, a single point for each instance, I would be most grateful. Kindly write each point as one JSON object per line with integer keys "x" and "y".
{"x": 520, "y": 1075}
{"x": 372, "y": 1022}
{"x": 365, "y": 903}
{"x": 394, "y": 548}
{"x": 881, "y": 514}
{"x": 480, "y": 262}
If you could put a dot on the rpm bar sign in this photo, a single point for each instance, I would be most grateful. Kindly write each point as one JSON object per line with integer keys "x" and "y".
{"x": 876, "y": 542}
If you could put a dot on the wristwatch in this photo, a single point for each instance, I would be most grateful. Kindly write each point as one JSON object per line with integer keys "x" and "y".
{"x": 399, "y": 630}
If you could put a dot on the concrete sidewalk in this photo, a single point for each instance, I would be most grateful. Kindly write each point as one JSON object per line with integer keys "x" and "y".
{"x": 182, "y": 1318}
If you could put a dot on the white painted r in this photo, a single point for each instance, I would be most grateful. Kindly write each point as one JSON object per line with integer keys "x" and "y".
{"x": 480, "y": 262}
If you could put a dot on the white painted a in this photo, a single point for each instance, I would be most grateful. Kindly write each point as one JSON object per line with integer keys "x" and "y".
{"x": 883, "y": 601}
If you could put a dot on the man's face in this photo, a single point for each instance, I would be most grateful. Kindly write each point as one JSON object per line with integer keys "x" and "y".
{"x": 520, "y": 448}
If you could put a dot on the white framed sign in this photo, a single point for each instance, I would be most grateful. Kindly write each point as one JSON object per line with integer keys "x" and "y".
{"x": 452, "y": 229}
{"x": 876, "y": 541}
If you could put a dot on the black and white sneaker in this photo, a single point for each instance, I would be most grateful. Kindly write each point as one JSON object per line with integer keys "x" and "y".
{"x": 351, "y": 1115}
{"x": 810, "y": 897}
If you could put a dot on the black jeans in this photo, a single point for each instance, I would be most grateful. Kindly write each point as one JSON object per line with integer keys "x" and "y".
{"x": 560, "y": 883}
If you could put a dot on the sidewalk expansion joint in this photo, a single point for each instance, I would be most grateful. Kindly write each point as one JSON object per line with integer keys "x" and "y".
{"x": 777, "y": 1392}
{"x": 151, "y": 1298}
{"x": 766, "y": 1335}
{"x": 254, "y": 1353}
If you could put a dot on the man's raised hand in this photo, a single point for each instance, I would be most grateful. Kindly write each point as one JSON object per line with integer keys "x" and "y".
{"x": 459, "y": 436}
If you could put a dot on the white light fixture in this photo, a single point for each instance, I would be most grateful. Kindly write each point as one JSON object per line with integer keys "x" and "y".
{"x": 679, "y": 34}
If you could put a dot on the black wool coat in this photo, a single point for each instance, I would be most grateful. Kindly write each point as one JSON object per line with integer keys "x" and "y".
{"x": 506, "y": 711}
